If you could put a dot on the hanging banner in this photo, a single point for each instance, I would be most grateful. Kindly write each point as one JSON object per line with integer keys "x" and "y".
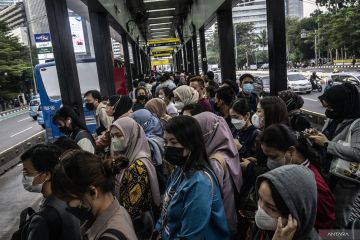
{"x": 77, "y": 34}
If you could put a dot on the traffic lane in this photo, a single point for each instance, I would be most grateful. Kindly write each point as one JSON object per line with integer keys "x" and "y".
{"x": 17, "y": 129}
{"x": 13, "y": 199}
{"x": 312, "y": 102}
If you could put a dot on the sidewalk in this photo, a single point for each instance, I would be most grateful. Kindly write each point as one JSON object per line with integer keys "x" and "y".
{"x": 14, "y": 110}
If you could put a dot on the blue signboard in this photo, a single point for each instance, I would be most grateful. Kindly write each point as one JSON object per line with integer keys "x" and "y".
{"x": 42, "y": 37}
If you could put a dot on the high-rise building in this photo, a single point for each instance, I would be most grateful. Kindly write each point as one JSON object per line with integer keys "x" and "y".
{"x": 37, "y": 19}
{"x": 294, "y": 8}
{"x": 5, "y": 3}
{"x": 15, "y": 18}
{"x": 254, "y": 11}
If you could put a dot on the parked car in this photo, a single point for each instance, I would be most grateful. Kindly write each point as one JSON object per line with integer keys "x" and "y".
{"x": 342, "y": 77}
{"x": 40, "y": 117}
{"x": 253, "y": 67}
{"x": 298, "y": 83}
{"x": 33, "y": 108}
{"x": 265, "y": 66}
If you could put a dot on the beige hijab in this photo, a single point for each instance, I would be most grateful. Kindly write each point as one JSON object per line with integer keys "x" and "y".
{"x": 187, "y": 95}
{"x": 138, "y": 149}
{"x": 158, "y": 107}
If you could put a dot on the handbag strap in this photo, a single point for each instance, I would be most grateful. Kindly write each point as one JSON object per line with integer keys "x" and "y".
{"x": 348, "y": 137}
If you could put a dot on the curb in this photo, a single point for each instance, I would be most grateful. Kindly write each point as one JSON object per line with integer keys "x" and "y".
{"x": 318, "y": 119}
{"x": 10, "y": 156}
{"x": 8, "y": 112}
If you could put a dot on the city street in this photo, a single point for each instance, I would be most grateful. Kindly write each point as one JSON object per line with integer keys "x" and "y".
{"x": 16, "y": 129}
{"x": 312, "y": 102}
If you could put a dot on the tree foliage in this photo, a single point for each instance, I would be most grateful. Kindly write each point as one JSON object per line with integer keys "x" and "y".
{"x": 333, "y": 30}
{"x": 14, "y": 61}
{"x": 335, "y": 5}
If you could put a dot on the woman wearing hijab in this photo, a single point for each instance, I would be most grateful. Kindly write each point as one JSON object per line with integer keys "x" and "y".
{"x": 158, "y": 107}
{"x": 224, "y": 159}
{"x": 185, "y": 95}
{"x": 298, "y": 121}
{"x": 118, "y": 106}
{"x": 342, "y": 103}
{"x": 286, "y": 204}
{"x": 138, "y": 188}
{"x": 154, "y": 134}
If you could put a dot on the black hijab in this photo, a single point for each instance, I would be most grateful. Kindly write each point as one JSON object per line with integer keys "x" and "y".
{"x": 344, "y": 100}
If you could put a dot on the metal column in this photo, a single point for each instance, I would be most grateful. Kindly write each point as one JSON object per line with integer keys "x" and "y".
{"x": 226, "y": 41}
{"x": 127, "y": 62}
{"x": 138, "y": 54}
{"x": 181, "y": 62}
{"x": 103, "y": 49}
{"x": 196, "y": 55}
{"x": 64, "y": 55}
{"x": 135, "y": 59}
{"x": 186, "y": 69}
{"x": 277, "y": 45}
{"x": 204, "y": 65}
{"x": 190, "y": 57}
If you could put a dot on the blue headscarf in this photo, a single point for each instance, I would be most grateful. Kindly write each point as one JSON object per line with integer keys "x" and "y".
{"x": 153, "y": 131}
{"x": 150, "y": 123}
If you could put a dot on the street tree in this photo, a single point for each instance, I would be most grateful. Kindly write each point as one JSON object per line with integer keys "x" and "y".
{"x": 246, "y": 43}
{"x": 15, "y": 66}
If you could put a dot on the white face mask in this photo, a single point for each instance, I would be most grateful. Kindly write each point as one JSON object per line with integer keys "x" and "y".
{"x": 257, "y": 121}
{"x": 179, "y": 105}
{"x": 162, "y": 97}
{"x": 238, "y": 123}
{"x": 119, "y": 144}
{"x": 264, "y": 221}
{"x": 27, "y": 182}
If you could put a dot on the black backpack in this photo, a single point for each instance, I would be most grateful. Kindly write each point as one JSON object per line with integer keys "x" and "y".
{"x": 51, "y": 216}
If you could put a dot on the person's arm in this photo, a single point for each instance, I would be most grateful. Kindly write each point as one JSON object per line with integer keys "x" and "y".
{"x": 38, "y": 229}
{"x": 197, "y": 209}
{"x": 105, "y": 120}
{"x": 103, "y": 141}
{"x": 349, "y": 153}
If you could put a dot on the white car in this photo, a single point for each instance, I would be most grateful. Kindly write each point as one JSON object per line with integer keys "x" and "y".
{"x": 298, "y": 83}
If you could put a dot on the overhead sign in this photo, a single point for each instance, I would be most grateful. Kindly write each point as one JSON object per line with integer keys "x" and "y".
{"x": 167, "y": 51}
{"x": 42, "y": 37}
{"x": 160, "y": 62}
{"x": 44, "y": 46}
{"x": 162, "y": 54}
{"x": 164, "y": 42}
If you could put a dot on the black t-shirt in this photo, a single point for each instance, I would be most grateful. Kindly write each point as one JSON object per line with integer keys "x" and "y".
{"x": 247, "y": 139}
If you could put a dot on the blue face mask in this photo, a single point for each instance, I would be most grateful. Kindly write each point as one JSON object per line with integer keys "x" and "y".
{"x": 248, "y": 88}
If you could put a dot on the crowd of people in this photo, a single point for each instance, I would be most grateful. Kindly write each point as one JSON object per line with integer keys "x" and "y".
{"x": 186, "y": 157}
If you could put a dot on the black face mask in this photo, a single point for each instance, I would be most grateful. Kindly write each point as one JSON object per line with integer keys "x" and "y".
{"x": 174, "y": 156}
{"x": 90, "y": 106}
{"x": 141, "y": 98}
{"x": 65, "y": 130}
{"x": 83, "y": 214}
{"x": 333, "y": 115}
